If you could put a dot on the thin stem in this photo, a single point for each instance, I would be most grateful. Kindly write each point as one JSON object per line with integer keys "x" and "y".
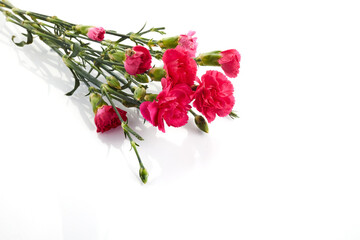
{"x": 192, "y": 112}
{"x": 133, "y": 144}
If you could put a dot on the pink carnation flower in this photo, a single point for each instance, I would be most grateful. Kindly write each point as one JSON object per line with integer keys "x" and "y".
{"x": 106, "y": 118}
{"x": 171, "y": 106}
{"x": 138, "y": 61}
{"x": 180, "y": 68}
{"x": 230, "y": 62}
{"x": 188, "y": 43}
{"x": 96, "y": 33}
{"x": 214, "y": 95}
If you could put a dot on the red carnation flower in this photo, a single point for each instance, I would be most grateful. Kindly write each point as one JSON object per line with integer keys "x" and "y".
{"x": 180, "y": 68}
{"x": 96, "y": 33}
{"x": 214, "y": 95}
{"x": 172, "y": 106}
{"x": 230, "y": 62}
{"x": 106, "y": 118}
{"x": 138, "y": 60}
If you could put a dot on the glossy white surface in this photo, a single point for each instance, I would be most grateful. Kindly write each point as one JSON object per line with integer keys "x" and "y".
{"x": 287, "y": 169}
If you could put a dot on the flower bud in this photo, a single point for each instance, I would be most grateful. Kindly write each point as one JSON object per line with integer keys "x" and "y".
{"x": 139, "y": 93}
{"x": 157, "y": 73}
{"x": 128, "y": 104}
{"x": 117, "y": 56}
{"x": 150, "y": 97}
{"x": 141, "y": 78}
{"x": 209, "y": 59}
{"x": 96, "y": 101}
{"x": 201, "y": 123}
{"x": 83, "y": 29}
{"x": 113, "y": 82}
{"x": 143, "y": 174}
{"x": 169, "y": 42}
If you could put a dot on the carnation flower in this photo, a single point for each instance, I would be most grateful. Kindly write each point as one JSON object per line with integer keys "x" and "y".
{"x": 188, "y": 43}
{"x": 230, "y": 62}
{"x": 214, "y": 95}
{"x": 171, "y": 106}
{"x": 138, "y": 60}
{"x": 180, "y": 68}
{"x": 106, "y": 118}
{"x": 96, "y": 33}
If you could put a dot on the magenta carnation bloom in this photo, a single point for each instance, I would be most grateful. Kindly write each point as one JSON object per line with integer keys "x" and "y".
{"x": 139, "y": 61}
{"x": 106, "y": 118}
{"x": 96, "y": 33}
{"x": 171, "y": 106}
{"x": 188, "y": 43}
{"x": 214, "y": 95}
{"x": 230, "y": 62}
{"x": 180, "y": 68}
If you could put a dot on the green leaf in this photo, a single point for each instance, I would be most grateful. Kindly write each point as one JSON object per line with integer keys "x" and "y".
{"x": 76, "y": 49}
{"x": 77, "y": 83}
{"x": 141, "y": 28}
{"x": 22, "y": 43}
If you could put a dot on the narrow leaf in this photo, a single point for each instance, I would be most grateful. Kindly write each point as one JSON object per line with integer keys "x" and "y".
{"x": 23, "y": 43}
{"x": 77, "y": 83}
{"x": 76, "y": 49}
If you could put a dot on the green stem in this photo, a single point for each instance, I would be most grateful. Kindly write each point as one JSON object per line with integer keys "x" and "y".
{"x": 192, "y": 112}
{"x": 124, "y": 125}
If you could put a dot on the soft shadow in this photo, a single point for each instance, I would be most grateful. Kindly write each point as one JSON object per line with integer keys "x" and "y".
{"x": 173, "y": 159}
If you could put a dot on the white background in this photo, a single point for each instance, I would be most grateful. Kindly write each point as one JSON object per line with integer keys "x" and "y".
{"x": 287, "y": 169}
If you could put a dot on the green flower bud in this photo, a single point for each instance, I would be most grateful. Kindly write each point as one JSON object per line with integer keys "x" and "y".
{"x": 117, "y": 56}
{"x": 141, "y": 78}
{"x": 209, "y": 59}
{"x": 169, "y": 42}
{"x": 143, "y": 174}
{"x": 201, "y": 123}
{"x": 83, "y": 29}
{"x": 139, "y": 93}
{"x": 157, "y": 73}
{"x": 113, "y": 82}
{"x": 96, "y": 101}
{"x": 150, "y": 97}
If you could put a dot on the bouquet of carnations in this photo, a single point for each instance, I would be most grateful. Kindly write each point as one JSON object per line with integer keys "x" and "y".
{"x": 118, "y": 72}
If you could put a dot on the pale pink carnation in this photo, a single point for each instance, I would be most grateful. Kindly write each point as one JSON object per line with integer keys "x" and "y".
{"x": 188, "y": 43}
{"x": 96, "y": 33}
